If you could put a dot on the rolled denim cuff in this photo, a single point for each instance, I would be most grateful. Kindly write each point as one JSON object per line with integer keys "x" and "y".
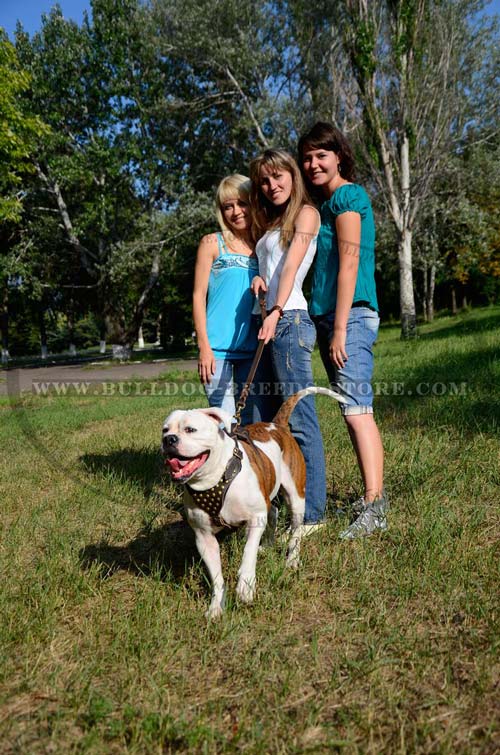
{"x": 350, "y": 411}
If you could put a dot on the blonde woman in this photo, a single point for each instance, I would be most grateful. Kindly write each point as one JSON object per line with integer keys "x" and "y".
{"x": 287, "y": 225}
{"x": 222, "y": 301}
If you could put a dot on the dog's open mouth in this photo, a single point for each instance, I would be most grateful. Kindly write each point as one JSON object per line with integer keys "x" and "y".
{"x": 183, "y": 467}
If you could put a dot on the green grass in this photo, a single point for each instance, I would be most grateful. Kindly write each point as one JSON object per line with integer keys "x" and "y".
{"x": 388, "y": 645}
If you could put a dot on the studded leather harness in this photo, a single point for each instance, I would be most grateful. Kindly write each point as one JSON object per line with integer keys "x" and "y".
{"x": 212, "y": 500}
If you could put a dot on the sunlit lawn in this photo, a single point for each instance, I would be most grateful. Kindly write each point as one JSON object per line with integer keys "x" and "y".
{"x": 385, "y": 645}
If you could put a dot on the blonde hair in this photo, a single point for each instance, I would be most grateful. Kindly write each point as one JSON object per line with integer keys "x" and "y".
{"x": 230, "y": 187}
{"x": 265, "y": 214}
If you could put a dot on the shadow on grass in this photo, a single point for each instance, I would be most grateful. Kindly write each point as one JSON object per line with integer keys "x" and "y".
{"x": 169, "y": 549}
{"x": 479, "y": 324}
{"x": 453, "y": 389}
{"x": 141, "y": 467}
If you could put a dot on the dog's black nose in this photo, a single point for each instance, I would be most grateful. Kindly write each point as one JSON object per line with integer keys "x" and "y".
{"x": 171, "y": 440}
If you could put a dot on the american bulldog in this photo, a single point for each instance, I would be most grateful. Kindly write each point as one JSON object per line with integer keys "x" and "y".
{"x": 230, "y": 482}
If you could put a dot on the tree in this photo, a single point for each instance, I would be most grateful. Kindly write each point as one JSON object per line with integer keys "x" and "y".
{"x": 415, "y": 67}
{"x": 19, "y": 131}
{"x": 113, "y": 162}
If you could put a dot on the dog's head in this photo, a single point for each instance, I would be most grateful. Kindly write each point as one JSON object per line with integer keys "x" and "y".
{"x": 191, "y": 439}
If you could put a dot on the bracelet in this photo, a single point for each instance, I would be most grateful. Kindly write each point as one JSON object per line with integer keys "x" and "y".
{"x": 276, "y": 308}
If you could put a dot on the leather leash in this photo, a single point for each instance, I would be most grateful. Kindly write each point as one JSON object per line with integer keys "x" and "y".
{"x": 241, "y": 403}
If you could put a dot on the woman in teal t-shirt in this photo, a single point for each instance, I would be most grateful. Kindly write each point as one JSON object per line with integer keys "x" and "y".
{"x": 344, "y": 307}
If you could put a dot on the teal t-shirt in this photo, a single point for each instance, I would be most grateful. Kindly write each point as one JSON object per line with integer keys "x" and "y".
{"x": 347, "y": 198}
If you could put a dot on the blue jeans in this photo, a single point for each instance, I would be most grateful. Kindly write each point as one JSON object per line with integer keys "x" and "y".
{"x": 290, "y": 360}
{"x": 225, "y": 387}
{"x": 353, "y": 381}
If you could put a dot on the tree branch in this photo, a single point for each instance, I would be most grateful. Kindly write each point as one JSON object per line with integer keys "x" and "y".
{"x": 84, "y": 253}
{"x": 248, "y": 106}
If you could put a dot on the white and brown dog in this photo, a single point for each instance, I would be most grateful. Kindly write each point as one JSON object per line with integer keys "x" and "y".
{"x": 231, "y": 482}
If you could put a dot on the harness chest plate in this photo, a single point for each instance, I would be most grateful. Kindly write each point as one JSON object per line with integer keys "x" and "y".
{"x": 212, "y": 500}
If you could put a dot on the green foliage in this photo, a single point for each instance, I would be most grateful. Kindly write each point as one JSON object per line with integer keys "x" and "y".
{"x": 149, "y": 104}
{"x": 19, "y": 131}
{"x": 363, "y": 50}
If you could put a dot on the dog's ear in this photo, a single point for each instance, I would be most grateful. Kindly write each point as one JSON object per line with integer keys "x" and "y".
{"x": 220, "y": 417}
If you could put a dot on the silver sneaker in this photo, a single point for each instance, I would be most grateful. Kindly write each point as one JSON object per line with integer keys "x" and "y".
{"x": 353, "y": 510}
{"x": 372, "y": 517}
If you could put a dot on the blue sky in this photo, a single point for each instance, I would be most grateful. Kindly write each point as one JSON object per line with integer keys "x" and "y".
{"x": 29, "y": 12}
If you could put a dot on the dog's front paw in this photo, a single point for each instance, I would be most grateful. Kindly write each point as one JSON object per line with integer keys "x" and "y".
{"x": 214, "y": 612}
{"x": 293, "y": 555}
{"x": 216, "y": 607}
{"x": 245, "y": 590}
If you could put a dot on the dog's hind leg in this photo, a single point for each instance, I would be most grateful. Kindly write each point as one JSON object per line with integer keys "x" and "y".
{"x": 296, "y": 503}
{"x": 245, "y": 589}
{"x": 208, "y": 548}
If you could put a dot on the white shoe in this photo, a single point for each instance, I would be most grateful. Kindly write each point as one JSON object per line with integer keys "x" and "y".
{"x": 303, "y": 530}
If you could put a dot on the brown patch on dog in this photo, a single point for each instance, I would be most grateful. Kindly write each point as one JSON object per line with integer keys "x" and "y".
{"x": 261, "y": 464}
{"x": 292, "y": 457}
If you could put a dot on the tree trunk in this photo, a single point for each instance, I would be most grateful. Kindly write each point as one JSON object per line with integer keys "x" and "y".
{"x": 117, "y": 334}
{"x": 71, "y": 329}
{"x": 453, "y": 301}
{"x": 158, "y": 330}
{"x": 406, "y": 294}
{"x": 140, "y": 338}
{"x": 121, "y": 351}
{"x": 432, "y": 286}
{"x": 43, "y": 334}
{"x": 464, "y": 301}
{"x": 5, "y": 324}
{"x": 102, "y": 338}
{"x": 426, "y": 293}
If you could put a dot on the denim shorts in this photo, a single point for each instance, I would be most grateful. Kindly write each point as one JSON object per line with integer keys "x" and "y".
{"x": 353, "y": 380}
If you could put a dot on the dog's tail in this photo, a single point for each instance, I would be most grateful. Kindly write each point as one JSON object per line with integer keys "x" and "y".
{"x": 283, "y": 415}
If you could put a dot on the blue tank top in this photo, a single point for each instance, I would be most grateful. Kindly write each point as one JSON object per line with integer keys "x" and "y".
{"x": 230, "y": 330}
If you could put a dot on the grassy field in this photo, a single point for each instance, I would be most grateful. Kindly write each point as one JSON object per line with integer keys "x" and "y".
{"x": 386, "y": 645}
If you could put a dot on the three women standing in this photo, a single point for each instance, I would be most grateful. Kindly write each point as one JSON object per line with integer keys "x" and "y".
{"x": 343, "y": 304}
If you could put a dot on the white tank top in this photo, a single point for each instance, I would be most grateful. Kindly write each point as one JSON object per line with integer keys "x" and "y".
{"x": 271, "y": 260}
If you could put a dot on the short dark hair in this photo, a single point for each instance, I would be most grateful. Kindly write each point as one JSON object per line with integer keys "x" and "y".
{"x": 326, "y": 136}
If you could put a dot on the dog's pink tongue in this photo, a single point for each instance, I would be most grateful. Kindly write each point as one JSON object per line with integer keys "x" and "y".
{"x": 176, "y": 464}
{"x": 185, "y": 467}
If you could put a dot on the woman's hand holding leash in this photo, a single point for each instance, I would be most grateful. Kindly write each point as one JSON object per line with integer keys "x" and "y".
{"x": 268, "y": 328}
{"x": 258, "y": 286}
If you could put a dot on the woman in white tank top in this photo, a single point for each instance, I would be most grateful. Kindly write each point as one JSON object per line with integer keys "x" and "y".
{"x": 286, "y": 227}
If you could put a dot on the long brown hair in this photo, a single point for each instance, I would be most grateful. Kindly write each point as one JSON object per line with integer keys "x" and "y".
{"x": 265, "y": 214}
{"x": 326, "y": 136}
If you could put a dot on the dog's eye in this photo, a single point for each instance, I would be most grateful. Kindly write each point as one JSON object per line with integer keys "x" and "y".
{"x": 191, "y": 429}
